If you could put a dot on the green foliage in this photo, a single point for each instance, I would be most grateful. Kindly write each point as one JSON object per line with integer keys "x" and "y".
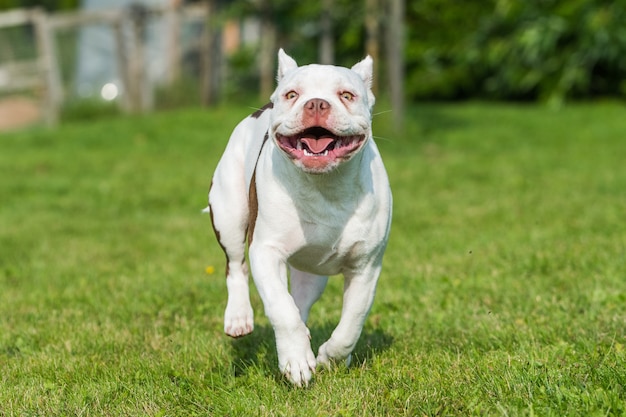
{"x": 573, "y": 49}
{"x": 88, "y": 109}
{"x": 512, "y": 49}
{"x": 502, "y": 291}
{"x": 298, "y": 26}
{"x": 181, "y": 93}
{"x": 548, "y": 50}
{"x": 243, "y": 79}
{"x": 499, "y": 49}
{"x": 47, "y": 4}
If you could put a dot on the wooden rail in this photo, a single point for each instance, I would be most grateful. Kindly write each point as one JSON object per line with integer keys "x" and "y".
{"x": 43, "y": 73}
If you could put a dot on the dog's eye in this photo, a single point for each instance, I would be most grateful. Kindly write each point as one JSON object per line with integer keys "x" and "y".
{"x": 348, "y": 96}
{"x": 291, "y": 95}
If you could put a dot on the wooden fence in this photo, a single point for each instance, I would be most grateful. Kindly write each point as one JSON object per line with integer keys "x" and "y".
{"x": 43, "y": 74}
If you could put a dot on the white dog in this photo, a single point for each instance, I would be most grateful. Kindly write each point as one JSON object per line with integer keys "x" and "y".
{"x": 303, "y": 182}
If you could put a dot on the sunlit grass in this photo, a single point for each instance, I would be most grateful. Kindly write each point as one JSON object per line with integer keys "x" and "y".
{"x": 503, "y": 290}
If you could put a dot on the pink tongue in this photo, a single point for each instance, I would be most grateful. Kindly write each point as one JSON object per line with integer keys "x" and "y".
{"x": 317, "y": 145}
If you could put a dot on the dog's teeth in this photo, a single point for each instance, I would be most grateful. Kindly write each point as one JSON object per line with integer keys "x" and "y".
{"x": 309, "y": 153}
{"x": 299, "y": 145}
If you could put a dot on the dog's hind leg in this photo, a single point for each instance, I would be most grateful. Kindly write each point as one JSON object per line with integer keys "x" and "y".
{"x": 306, "y": 289}
{"x": 228, "y": 203}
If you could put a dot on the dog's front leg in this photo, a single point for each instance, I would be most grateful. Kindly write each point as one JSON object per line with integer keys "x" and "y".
{"x": 295, "y": 357}
{"x": 358, "y": 296}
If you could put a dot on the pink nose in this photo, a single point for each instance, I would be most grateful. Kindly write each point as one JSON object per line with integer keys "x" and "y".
{"x": 316, "y": 107}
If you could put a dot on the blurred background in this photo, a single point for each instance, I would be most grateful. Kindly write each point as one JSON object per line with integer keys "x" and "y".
{"x": 62, "y": 59}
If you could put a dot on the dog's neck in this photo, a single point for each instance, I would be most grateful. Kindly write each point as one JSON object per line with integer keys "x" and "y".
{"x": 346, "y": 178}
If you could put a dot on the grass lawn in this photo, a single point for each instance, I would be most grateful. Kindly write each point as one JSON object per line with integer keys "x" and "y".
{"x": 503, "y": 289}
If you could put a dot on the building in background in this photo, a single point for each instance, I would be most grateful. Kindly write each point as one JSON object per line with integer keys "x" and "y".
{"x": 97, "y": 69}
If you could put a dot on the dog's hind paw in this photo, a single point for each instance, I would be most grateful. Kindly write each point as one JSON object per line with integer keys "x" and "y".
{"x": 239, "y": 323}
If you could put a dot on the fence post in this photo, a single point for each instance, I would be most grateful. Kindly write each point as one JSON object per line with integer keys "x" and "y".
{"x": 372, "y": 28}
{"x": 267, "y": 50}
{"x": 326, "y": 48}
{"x": 123, "y": 66}
{"x": 173, "y": 52}
{"x": 53, "y": 88}
{"x": 211, "y": 56}
{"x": 139, "y": 89}
{"x": 395, "y": 50}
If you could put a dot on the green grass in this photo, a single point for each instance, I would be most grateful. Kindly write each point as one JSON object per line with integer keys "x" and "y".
{"x": 503, "y": 290}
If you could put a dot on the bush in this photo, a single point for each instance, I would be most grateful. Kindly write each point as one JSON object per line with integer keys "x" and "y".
{"x": 513, "y": 49}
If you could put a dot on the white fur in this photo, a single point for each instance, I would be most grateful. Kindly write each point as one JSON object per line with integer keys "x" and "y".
{"x": 335, "y": 221}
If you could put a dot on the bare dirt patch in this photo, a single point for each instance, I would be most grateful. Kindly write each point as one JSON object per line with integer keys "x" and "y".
{"x": 17, "y": 112}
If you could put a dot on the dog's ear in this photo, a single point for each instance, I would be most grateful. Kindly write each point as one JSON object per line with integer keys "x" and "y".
{"x": 365, "y": 69}
{"x": 285, "y": 64}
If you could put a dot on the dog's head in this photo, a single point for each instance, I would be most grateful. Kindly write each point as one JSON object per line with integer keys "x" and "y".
{"x": 321, "y": 114}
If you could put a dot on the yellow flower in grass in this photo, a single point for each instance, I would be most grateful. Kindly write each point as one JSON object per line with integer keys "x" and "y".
{"x": 210, "y": 270}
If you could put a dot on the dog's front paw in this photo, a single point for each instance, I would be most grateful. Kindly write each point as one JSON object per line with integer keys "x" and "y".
{"x": 238, "y": 320}
{"x": 296, "y": 360}
{"x": 299, "y": 369}
{"x": 327, "y": 356}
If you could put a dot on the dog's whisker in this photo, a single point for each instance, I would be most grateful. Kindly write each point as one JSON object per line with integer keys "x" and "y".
{"x": 383, "y": 138}
{"x": 382, "y": 112}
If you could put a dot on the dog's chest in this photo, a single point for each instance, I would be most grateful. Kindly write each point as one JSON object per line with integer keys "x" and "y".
{"x": 326, "y": 224}
{"x": 332, "y": 237}
{"x": 326, "y": 251}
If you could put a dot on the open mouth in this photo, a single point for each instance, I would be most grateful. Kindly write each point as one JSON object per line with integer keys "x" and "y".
{"x": 318, "y": 142}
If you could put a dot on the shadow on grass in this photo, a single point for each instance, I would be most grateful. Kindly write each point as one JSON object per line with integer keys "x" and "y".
{"x": 258, "y": 349}
{"x": 371, "y": 344}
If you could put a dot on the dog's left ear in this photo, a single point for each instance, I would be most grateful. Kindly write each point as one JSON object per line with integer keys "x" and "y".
{"x": 365, "y": 69}
{"x": 285, "y": 64}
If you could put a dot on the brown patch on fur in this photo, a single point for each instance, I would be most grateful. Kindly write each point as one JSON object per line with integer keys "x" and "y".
{"x": 253, "y": 201}
{"x": 217, "y": 234}
{"x": 259, "y": 112}
{"x": 253, "y": 207}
